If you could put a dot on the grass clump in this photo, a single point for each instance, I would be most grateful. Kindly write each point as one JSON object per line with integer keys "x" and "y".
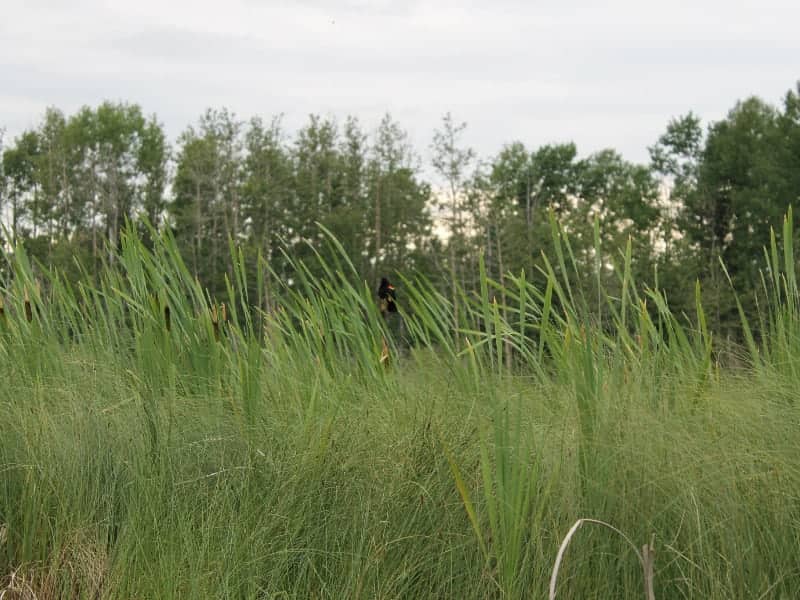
{"x": 159, "y": 443}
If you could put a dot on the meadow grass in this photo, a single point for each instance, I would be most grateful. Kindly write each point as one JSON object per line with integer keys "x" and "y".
{"x": 275, "y": 456}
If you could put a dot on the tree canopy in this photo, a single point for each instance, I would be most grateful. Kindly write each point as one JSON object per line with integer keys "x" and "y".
{"x": 711, "y": 195}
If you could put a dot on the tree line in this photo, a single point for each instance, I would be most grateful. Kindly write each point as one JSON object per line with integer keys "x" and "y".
{"x": 710, "y": 195}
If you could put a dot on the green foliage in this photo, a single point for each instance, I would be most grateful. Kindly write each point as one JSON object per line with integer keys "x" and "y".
{"x": 710, "y": 194}
{"x": 200, "y": 398}
{"x": 274, "y": 453}
{"x": 730, "y": 188}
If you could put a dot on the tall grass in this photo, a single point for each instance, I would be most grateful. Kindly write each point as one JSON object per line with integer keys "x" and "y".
{"x": 160, "y": 443}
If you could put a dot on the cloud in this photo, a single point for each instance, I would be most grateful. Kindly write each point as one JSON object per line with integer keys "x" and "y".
{"x": 601, "y": 74}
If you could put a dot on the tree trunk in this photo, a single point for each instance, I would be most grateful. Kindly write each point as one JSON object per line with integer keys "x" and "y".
{"x": 93, "y": 224}
{"x": 196, "y": 240}
{"x": 378, "y": 225}
{"x": 14, "y": 219}
{"x": 453, "y": 277}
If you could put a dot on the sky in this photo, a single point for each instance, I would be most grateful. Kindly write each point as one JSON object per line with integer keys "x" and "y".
{"x": 601, "y": 74}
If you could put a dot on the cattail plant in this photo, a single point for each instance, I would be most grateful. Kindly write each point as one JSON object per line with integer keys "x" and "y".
{"x": 215, "y": 321}
{"x": 606, "y": 417}
{"x": 28, "y": 310}
{"x": 384, "y": 359}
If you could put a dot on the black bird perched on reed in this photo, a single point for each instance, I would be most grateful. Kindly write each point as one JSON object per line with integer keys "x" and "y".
{"x": 386, "y": 297}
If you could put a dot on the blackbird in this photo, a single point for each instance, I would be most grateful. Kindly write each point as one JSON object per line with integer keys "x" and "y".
{"x": 386, "y": 297}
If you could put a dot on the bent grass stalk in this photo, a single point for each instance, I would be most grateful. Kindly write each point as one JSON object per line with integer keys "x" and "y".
{"x": 645, "y": 557}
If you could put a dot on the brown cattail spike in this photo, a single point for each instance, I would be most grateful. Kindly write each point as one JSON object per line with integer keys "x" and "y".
{"x": 384, "y": 359}
{"x": 28, "y": 310}
{"x": 167, "y": 318}
{"x": 2, "y": 311}
{"x": 215, "y": 322}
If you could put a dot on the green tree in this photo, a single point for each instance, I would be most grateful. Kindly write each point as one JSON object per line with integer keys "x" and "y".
{"x": 452, "y": 162}
{"x": 267, "y": 194}
{"x": 525, "y": 186}
{"x": 350, "y": 218}
{"x": 19, "y": 179}
{"x": 129, "y": 162}
{"x": 112, "y": 165}
{"x": 317, "y": 183}
{"x": 623, "y": 197}
{"x": 677, "y": 155}
{"x": 739, "y": 198}
{"x": 501, "y": 192}
{"x": 676, "y": 158}
{"x": 616, "y": 203}
{"x": 399, "y": 222}
{"x": 729, "y": 188}
{"x": 789, "y": 151}
{"x": 207, "y": 206}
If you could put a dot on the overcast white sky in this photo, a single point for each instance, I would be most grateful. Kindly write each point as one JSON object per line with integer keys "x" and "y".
{"x": 603, "y": 74}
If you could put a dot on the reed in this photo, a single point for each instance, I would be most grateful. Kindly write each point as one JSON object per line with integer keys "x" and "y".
{"x": 160, "y": 443}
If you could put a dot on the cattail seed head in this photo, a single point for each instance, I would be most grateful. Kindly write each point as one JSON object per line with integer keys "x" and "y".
{"x": 215, "y": 321}
{"x": 384, "y": 359}
{"x": 28, "y": 310}
{"x": 167, "y": 318}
